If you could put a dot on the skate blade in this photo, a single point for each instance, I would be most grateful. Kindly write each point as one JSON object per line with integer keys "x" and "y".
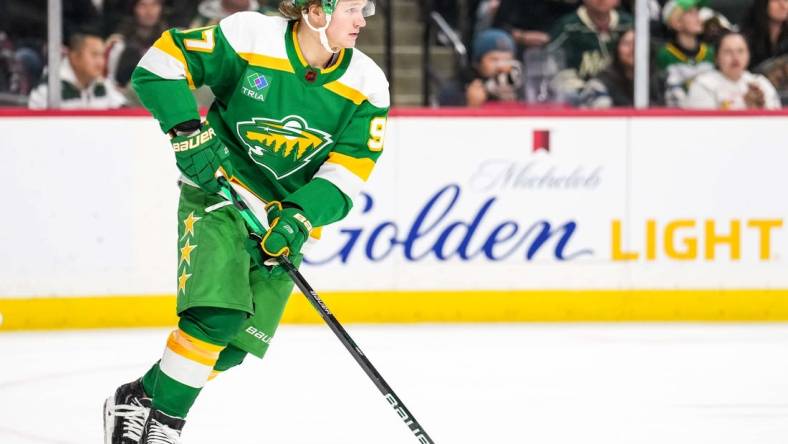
{"x": 109, "y": 425}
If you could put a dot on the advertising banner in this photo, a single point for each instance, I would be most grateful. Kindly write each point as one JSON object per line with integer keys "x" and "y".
{"x": 464, "y": 218}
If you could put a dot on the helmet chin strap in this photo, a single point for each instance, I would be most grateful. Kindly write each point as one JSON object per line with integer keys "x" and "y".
{"x": 321, "y": 31}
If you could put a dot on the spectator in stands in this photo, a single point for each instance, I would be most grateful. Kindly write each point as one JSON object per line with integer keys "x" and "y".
{"x": 732, "y": 87}
{"x": 133, "y": 38}
{"x": 12, "y": 78}
{"x": 177, "y": 13}
{"x": 211, "y": 12}
{"x": 496, "y": 75}
{"x": 776, "y": 70}
{"x": 25, "y": 24}
{"x": 82, "y": 84}
{"x": 6, "y": 63}
{"x": 586, "y": 39}
{"x": 180, "y": 13}
{"x": 615, "y": 86}
{"x": 766, "y": 29}
{"x": 715, "y": 25}
{"x": 530, "y": 21}
{"x": 499, "y": 75}
{"x": 685, "y": 56}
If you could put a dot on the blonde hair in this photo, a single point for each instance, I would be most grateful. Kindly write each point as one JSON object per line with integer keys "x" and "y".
{"x": 290, "y": 11}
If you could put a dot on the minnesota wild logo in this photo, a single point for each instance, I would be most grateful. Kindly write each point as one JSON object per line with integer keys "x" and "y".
{"x": 282, "y": 146}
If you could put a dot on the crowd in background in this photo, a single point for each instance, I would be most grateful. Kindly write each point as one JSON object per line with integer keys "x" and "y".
{"x": 568, "y": 52}
{"x": 103, "y": 41}
{"x": 582, "y": 53}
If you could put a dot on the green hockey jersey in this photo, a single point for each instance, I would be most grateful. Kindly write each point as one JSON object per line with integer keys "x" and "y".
{"x": 285, "y": 123}
{"x": 586, "y": 49}
{"x": 679, "y": 68}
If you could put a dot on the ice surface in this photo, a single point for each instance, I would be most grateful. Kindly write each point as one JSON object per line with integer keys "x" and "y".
{"x": 480, "y": 384}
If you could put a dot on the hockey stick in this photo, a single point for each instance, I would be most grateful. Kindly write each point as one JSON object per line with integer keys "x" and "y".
{"x": 229, "y": 193}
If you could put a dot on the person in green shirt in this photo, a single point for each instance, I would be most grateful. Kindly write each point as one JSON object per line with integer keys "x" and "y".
{"x": 685, "y": 55}
{"x": 585, "y": 41}
{"x": 296, "y": 127}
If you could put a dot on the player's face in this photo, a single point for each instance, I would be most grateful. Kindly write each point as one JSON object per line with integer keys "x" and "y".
{"x": 495, "y": 62}
{"x": 346, "y": 23}
{"x": 147, "y": 12}
{"x": 88, "y": 61}
{"x": 733, "y": 57}
{"x": 778, "y": 10}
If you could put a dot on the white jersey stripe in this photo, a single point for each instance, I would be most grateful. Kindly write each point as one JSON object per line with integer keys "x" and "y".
{"x": 184, "y": 370}
{"x": 255, "y": 33}
{"x": 162, "y": 64}
{"x": 364, "y": 76}
{"x": 342, "y": 178}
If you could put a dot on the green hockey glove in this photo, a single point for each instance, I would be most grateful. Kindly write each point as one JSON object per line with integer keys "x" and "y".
{"x": 260, "y": 260}
{"x": 288, "y": 231}
{"x": 199, "y": 153}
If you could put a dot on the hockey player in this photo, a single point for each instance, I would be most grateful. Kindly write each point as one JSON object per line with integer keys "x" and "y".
{"x": 297, "y": 126}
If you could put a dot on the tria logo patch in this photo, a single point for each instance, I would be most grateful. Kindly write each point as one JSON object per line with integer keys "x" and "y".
{"x": 256, "y": 86}
{"x": 282, "y": 146}
{"x": 257, "y": 81}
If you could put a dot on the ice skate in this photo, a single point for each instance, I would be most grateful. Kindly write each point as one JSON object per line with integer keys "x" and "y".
{"x": 162, "y": 428}
{"x": 125, "y": 413}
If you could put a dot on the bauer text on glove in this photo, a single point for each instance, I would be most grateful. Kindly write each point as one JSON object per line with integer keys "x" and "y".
{"x": 199, "y": 154}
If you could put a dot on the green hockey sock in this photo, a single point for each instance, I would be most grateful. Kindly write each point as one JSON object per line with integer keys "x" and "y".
{"x": 191, "y": 354}
{"x": 150, "y": 378}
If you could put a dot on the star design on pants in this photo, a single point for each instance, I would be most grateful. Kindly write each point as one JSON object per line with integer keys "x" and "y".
{"x": 189, "y": 223}
{"x": 186, "y": 253}
{"x": 182, "y": 281}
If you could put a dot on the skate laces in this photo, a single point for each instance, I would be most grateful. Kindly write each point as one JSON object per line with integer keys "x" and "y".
{"x": 159, "y": 433}
{"x": 134, "y": 415}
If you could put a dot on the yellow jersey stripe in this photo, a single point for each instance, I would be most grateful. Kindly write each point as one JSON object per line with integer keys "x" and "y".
{"x": 296, "y": 46}
{"x": 264, "y": 61}
{"x": 360, "y": 167}
{"x": 676, "y": 52}
{"x": 701, "y": 53}
{"x": 345, "y": 91}
{"x": 167, "y": 44}
{"x": 336, "y": 64}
